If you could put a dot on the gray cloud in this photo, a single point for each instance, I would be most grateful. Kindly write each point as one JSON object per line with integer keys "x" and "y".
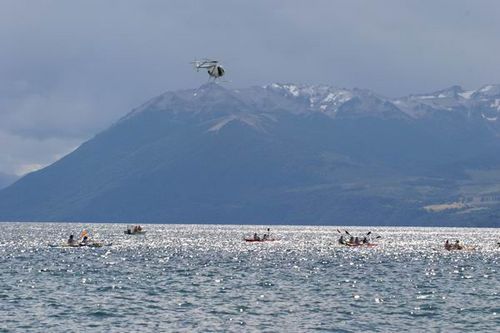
{"x": 68, "y": 69}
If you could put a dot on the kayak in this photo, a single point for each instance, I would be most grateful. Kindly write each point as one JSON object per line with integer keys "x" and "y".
{"x": 92, "y": 244}
{"x": 66, "y": 245}
{"x": 463, "y": 248}
{"x": 252, "y": 240}
{"x": 134, "y": 233}
{"x": 360, "y": 245}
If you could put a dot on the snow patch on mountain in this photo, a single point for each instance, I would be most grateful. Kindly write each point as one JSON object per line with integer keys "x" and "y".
{"x": 321, "y": 98}
{"x": 214, "y": 102}
{"x": 288, "y": 88}
{"x": 466, "y": 94}
{"x": 253, "y": 121}
{"x": 496, "y": 104}
{"x": 221, "y": 123}
{"x": 490, "y": 89}
{"x": 489, "y": 118}
{"x": 455, "y": 100}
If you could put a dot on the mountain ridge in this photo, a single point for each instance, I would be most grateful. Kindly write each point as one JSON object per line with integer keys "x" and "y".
{"x": 328, "y": 99}
{"x": 280, "y": 153}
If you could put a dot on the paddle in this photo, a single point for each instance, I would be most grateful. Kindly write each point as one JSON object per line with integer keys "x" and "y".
{"x": 368, "y": 233}
{"x": 347, "y": 232}
{"x": 341, "y": 239}
{"x": 83, "y": 234}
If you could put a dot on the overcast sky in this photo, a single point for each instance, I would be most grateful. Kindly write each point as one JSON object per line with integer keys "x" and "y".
{"x": 68, "y": 69}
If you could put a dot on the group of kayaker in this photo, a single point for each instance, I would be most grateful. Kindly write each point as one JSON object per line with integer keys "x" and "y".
{"x": 350, "y": 240}
{"x": 353, "y": 240}
{"x": 84, "y": 239}
{"x": 136, "y": 229}
{"x": 455, "y": 246}
{"x": 264, "y": 237}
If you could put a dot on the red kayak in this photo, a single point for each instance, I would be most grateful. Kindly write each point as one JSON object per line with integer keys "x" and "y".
{"x": 259, "y": 240}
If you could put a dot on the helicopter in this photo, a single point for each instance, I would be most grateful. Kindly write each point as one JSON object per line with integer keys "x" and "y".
{"x": 214, "y": 69}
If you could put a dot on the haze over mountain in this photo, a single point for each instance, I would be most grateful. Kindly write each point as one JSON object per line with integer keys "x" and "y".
{"x": 6, "y": 179}
{"x": 281, "y": 153}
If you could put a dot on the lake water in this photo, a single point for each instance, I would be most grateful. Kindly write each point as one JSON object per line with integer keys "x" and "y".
{"x": 203, "y": 278}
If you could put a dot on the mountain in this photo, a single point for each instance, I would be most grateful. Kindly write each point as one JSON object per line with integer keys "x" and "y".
{"x": 6, "y": 179}
{"x": 281, "y": 153}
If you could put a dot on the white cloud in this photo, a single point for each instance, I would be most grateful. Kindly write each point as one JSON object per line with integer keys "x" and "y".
{"x": 19, "y": 155}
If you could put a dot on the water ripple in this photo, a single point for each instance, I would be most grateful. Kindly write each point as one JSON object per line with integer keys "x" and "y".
{"x": 206, "y": 278}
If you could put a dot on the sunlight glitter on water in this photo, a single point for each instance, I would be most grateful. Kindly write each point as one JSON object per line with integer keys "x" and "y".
{"x": 207, "y": 278}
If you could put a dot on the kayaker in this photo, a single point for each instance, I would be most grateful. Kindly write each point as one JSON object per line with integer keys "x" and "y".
{"x": 447, "y": 245}
{"x": 457, "y": 245}
{"x": 351, "y": 240}
{"x": 365, "y": 240}
{"x": 266, "y": 236}
{"x": 71, "y": 240}
{"x": 84, "y": 241}
{"x": 256, "y": 237}
{"x": 356, "y": 240}
{"x": 342, "y": 240}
